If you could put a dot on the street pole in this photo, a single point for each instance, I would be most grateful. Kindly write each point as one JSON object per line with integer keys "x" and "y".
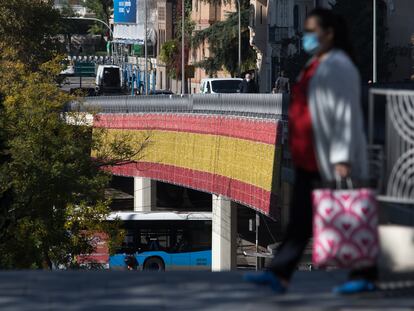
{"x": 146, "y": 48}
{"x": 257, "y": 223}
{"x": 374, "y": 45}
{"x": 182, "y": 47}
{"x": 238, "y": 1}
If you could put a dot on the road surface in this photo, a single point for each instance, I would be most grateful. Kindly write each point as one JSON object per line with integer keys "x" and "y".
{"x": 181, "y": 291}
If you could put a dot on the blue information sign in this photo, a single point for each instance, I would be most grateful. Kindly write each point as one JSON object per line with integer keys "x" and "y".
{"x": 125, "y": 11}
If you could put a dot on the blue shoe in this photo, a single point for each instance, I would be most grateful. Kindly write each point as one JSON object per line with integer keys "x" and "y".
{"x": 266, "y": 278}
{"x": 355, "y": 287}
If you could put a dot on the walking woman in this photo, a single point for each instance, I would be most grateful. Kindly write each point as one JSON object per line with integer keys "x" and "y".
{"x": 326, "y": 140}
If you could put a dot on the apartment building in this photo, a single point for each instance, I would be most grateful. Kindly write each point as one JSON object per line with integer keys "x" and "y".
{"x": 204, "y": 15}
{"x": 400, "y": 24}
{"x": 76, "y": 5}
{"x": 165, "y": 27}
{"x": 275, "y": 33}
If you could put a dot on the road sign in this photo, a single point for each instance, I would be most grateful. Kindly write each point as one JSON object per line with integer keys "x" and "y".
{"x": 138, "y": 50}
{"x": 125, "y": 11}
{"x": 85, "y": 69}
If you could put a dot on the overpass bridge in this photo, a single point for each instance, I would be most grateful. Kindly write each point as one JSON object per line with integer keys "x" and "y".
{"x": 229, "y": 145}
{"x": 233, "y": 146}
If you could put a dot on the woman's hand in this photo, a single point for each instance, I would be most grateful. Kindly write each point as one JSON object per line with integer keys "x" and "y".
{"x": 343, "y": 170}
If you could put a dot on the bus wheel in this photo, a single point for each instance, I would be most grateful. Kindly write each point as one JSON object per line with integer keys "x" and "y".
{"x": 154, "y": 264}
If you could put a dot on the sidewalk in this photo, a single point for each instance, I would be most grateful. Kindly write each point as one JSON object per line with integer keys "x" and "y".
{"x": 179, "y": 291}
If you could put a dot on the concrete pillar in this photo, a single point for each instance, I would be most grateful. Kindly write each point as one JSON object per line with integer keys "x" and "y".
{"x": 144, "y": 194}
{"x": 224, "y": 234}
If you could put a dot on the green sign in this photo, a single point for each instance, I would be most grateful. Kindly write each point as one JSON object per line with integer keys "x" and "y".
{"x": 85, "y": 69}
{"x": 137, "y": 50}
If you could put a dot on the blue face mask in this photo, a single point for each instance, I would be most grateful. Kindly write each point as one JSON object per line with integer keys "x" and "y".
{"x": 310, "y": 43}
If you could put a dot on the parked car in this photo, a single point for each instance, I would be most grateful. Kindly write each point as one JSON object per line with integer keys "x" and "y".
{"x": 68, "y": 72}
{"x": 220, "y": 85}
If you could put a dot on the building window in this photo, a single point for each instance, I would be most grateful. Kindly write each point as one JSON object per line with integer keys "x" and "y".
{"x": 252, "y": 16}
{"x": 261, "y": 15}
{"x": 161, "y": 13}
{"x": 296, "y": 17}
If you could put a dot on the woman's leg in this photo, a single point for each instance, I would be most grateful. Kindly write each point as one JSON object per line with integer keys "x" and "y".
{"x": 299, "y": 229}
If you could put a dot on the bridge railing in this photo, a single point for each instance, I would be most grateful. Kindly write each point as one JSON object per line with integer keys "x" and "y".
{"x": 255, "y": 105}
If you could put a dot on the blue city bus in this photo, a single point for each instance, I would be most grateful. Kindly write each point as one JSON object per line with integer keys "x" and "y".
{"x": 164, "y": 241}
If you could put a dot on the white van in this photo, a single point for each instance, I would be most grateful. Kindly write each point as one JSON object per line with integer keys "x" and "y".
{"x": 220, "y": 85}
{"x": 108, "y": 79}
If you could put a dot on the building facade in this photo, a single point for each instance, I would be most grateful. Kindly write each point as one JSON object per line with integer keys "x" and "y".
{"x": 401, "y": 34}
{"x": 204, "y": 15}
{"x": 76, "y": 5}
{"x": 276, "y": 29}
{"x": 165, "y": 27}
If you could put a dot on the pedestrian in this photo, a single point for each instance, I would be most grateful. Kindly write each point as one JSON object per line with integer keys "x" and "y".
{"x": 131, "y": 262}
{"x": 282, "y": 84}
{"x": 248, "y": 85}
{"x": 326, "y": 140}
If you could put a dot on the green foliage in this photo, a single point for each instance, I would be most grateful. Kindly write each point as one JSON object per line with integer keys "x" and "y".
{"x": 52, "y": 192}
{"x": 102, "y": 10}
{"x": 30, "y": 27}
{"x": 218, "y": 2}
{"x": 170, "y": 53}
{"x": 222, "y": 38}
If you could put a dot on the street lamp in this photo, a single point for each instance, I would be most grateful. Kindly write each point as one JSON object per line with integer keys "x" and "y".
{"x": 92, "y": 19}
{"x": 182, "y": 47}
{"x": 238, "y": 2}
{"x": 95, "y": 20}
{"x": 146, "y": 47}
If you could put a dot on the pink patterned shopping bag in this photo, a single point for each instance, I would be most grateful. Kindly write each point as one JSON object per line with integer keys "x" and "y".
{"x": 345, "y": 228}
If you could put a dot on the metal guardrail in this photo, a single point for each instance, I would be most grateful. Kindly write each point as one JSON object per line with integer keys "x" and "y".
{"x": 391, "y": 122}
{"x": 255, "y": 105}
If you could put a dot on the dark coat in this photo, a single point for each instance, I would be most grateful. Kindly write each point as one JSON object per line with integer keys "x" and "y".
{"x": 248, "y": 87}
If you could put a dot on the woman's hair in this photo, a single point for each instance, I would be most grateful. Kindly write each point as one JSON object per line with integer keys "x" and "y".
{"x": 327, "y": 19}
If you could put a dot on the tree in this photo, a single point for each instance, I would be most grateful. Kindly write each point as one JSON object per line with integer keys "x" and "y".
{"x": 171, "y": 50}
{"x": 52, "y": 192}
{"x": 222, "y": 38}
{"x": 31, "y": 28}
{"x": 170, "y": 55}
{"x": 103, "y": 10}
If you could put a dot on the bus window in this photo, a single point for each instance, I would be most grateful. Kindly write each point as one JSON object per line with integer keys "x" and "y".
{"x": 202, "y": 236}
